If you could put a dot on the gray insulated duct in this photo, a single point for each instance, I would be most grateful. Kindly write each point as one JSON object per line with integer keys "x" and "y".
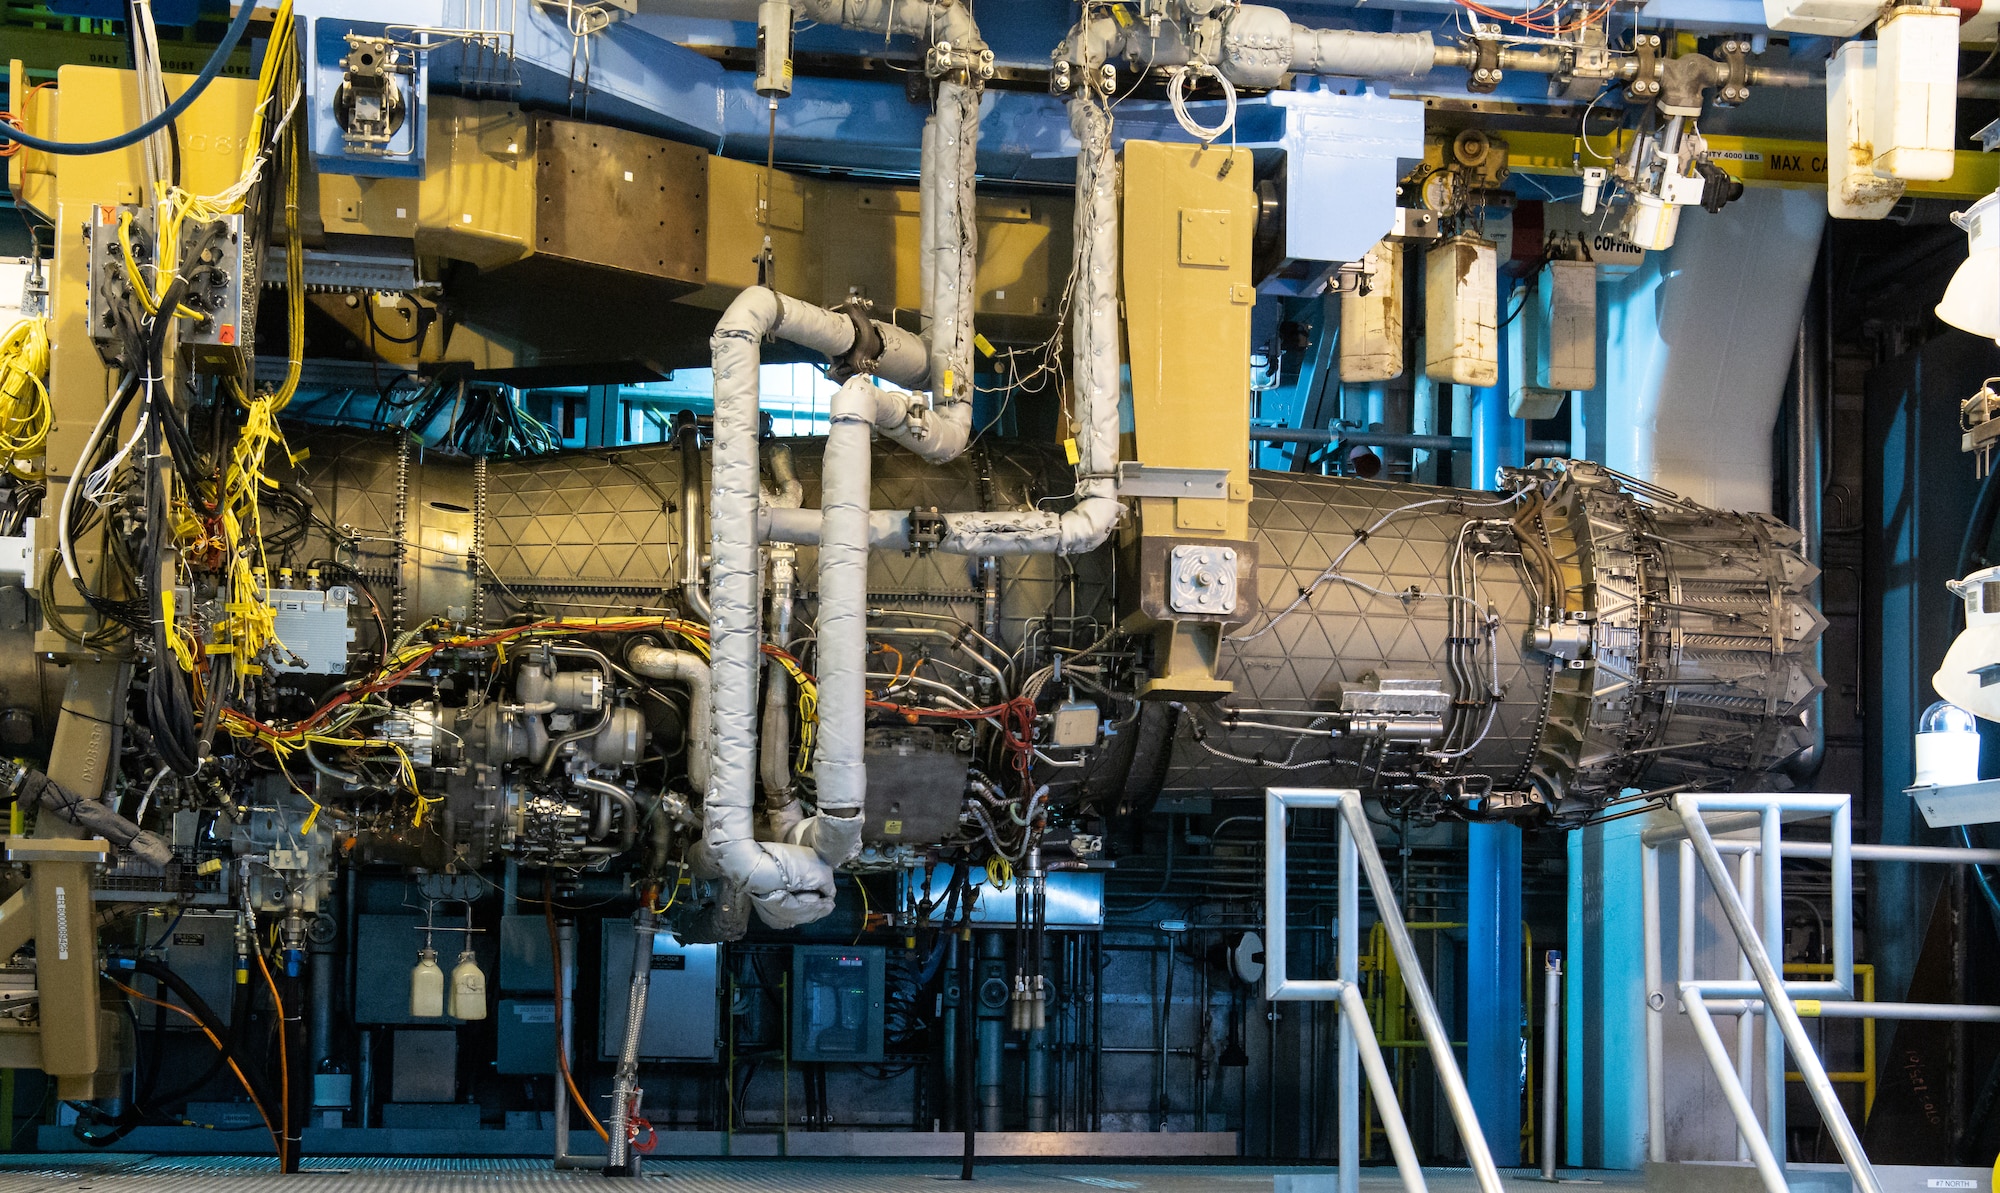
{"x": 1403, "y": 639}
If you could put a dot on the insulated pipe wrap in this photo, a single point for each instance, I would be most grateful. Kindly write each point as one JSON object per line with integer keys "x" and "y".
{"x": 948, "y": 198}
{"x": 787, "y": 885}
{"x": 1359, "y": 55}
{"x": 845, "y": 487}
{"x": 691, "y": 671}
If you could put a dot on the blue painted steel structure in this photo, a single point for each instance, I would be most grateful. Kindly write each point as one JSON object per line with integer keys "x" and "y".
{"x": 1494, "y": 1043}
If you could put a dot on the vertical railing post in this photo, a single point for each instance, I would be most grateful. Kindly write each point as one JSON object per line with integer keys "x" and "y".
{"x": 1349, "y": 964}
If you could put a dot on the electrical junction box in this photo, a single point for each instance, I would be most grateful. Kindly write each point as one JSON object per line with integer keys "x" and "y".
{"x": 680, "y": 997}
{"x": 202, "y": 950}
{"x": 837, "y": 1003}
{"x": 1074, "y": 724}
{"x": 217, "y": 258}
{"x": 312, "y": 629}
{"x": 1825, "y": 18}
{"x": 524, "y": 1041}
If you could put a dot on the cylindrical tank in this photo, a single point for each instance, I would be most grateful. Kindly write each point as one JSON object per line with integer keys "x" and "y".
{"x": 1550, "y": 647}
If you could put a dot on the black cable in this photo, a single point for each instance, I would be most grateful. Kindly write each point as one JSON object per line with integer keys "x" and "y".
{"x": 368, "y": 309}
{"x": 209, "y": 70}
{"x": 203, "y": 1013}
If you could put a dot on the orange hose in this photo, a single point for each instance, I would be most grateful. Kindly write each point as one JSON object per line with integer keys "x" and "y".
{"x": 284, "y": 1057}
{"x": 562, "y": 1062}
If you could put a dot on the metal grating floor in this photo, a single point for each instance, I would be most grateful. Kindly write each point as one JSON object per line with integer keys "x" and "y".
{"x": 210, "y": 1174}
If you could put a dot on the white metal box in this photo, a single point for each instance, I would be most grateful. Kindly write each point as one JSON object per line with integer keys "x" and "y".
{"x": 1826, "y": 18}
{"x": 1854, "y": 191}
{"x": 1916, "y": 93}
{"x": 1461, "y": 294}
{"x": 1371, "y": 324}
{"x": 1566, "y": 326}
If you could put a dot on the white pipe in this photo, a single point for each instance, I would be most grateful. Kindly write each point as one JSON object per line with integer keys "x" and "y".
{"x": 787, "y": 884}
{"x": 935, "y": 434}
{"x": 929, "y": 20}
{"x": 838, "y": 770}
{"x": 690, "y": 670}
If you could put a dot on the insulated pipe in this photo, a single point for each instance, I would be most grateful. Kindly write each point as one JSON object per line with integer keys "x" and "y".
{"x": 691, "y": 671}
{"x": 930, "y": 20}
{"x": 838, "y": 770}
{"x": 788, "y": 885}
{"x": 1096, "y": 369}
{"x": 948, "y": 204}
{"x": 781, "y": 810}
{"x": 690, "y": 445}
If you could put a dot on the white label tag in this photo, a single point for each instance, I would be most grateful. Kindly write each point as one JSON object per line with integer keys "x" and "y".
{"x": 62, "y": 925}
{"x": 1950, "y": 1182}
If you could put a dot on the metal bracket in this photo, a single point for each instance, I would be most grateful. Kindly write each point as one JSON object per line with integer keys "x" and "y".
{"x": 1415, "y": 223}
{"x": 52, "y": 849}
{"x": 1959, "y": 803}
{"x": 347, "y": 272}
{"x": 1137, "y": 480}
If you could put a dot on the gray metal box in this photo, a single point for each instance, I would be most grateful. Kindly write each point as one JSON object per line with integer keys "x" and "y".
{"x": 680, "y": 997}
{"x": 201, "y": 949}
{"x": 837, "y": 1003}
{"x": 525, "y": 966}
{"x": 312, "y": 628}
{"x": 524, "y": 1037}
{"x": 425, "y": 1067}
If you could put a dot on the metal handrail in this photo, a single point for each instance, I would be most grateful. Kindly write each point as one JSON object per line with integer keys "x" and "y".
{"x": 1777, "y": 1000}
{"x": 1357, "y": 1035}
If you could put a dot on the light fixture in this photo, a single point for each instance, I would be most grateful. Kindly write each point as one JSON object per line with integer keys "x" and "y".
{"x": 1972, "y": 300}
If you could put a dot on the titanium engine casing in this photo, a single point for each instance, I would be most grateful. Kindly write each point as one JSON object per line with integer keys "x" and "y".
{"x": 1680, "y": 650}
{"x": 1676, "y": 647}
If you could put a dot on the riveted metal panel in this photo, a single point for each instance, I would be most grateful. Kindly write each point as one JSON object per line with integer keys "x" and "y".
{"x": 620, "y": 200}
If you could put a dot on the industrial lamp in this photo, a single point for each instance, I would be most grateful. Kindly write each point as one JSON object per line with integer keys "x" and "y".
{"x": 1972, "y": 300}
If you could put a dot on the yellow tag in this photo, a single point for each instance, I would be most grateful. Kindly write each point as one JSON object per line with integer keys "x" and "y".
{"x": 893, "y": 827}
{"x": 302, "y": 455}
{"x": 1069, "y": 449}
{"x": 984, "y": 345}
{"x": 1119, "y": 14}
{"x": 1808, "y": 1008}
{"x": 167, "y": 605}
{"x": 249, "y": 669}
{"x": 948, "y": 386}
{"x": 220, "y": 648}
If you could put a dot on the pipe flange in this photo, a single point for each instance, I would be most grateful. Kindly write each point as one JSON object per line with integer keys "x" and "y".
{"x": 1735, "y": 87}
{"x": 1645, "y": 82}
{"x": 866, "y": 351}
{"x": 1484, "y": 74}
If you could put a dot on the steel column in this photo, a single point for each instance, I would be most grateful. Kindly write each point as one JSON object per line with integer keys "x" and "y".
{"x": 1493, "y": 984}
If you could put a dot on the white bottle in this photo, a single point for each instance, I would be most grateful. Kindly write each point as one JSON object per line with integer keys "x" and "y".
{"x": 427, "y": 986}
{"x": 468, "y": 988}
